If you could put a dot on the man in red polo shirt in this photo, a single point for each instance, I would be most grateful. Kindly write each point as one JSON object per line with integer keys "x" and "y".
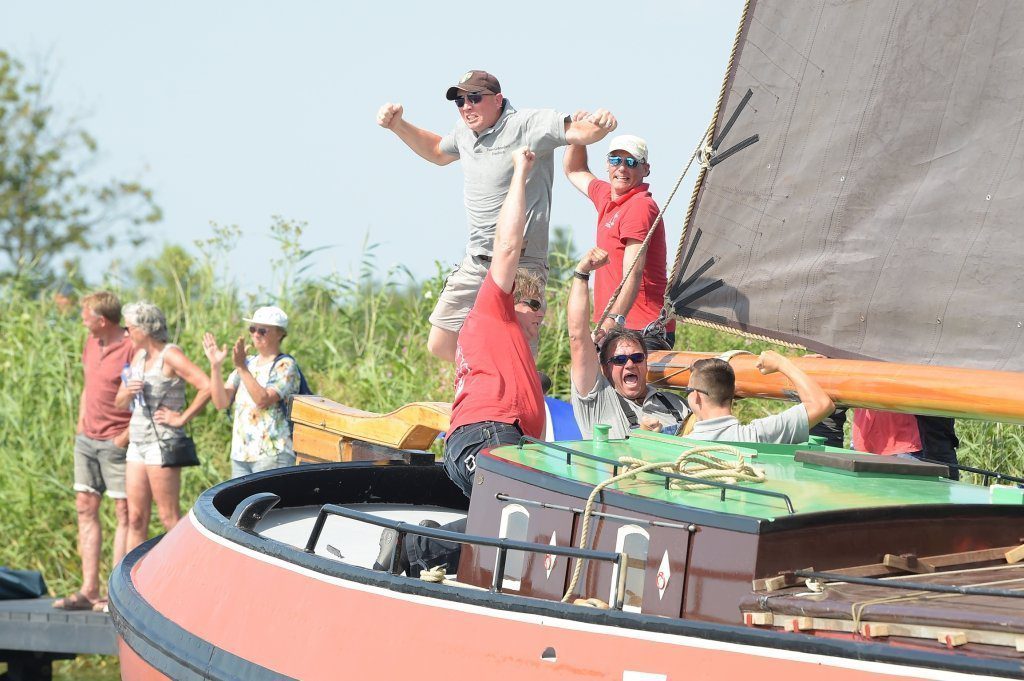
{"x": 498, "y": 397}
{"x": 625, "y": 213}
{"x": 101, "y": 441}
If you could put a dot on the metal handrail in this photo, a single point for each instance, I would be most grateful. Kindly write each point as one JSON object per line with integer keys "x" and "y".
{"x": 723, "y": 486}
{"x": 978, "y": 471}
{"x": 503, "y": 545}
{"x": 910, "y": 586}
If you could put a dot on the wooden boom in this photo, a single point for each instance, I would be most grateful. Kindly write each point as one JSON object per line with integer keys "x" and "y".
{"x": 907, "y": 388}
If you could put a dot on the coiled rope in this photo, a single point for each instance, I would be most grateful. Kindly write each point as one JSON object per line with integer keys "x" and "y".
{"x": 697, "y": 462}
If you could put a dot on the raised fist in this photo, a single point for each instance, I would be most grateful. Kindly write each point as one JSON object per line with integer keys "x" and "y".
{"x": 593, "y": 259}
{"x": 522, "y": 159}
{"x": 389, "y": 115}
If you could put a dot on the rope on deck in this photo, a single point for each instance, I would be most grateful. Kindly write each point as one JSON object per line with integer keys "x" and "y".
{"x": 697, "y": 462}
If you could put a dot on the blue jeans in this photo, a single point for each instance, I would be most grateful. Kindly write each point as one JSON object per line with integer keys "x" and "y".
{"x": 462, "y": 446}
{"x": 240, "y": 468}
{"x": 460, "y": 452}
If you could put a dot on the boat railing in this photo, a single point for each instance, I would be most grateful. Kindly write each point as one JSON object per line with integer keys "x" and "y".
{"x": 502, "y": 545}
{"x": 669, "y": 477}
{"x": 986, "y": 474}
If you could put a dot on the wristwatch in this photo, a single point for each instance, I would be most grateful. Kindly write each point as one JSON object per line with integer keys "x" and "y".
{"x": 620, "y": 320}
{"x": 582, "y": 276}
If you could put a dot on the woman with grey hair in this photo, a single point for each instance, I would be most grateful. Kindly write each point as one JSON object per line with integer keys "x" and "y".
{"x": 155, "y": 392}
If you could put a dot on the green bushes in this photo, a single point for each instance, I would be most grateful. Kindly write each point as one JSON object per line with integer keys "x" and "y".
{"x": 361, "y": 340}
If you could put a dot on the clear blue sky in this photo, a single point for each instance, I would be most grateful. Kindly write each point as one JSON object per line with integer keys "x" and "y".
{"x": 233, "y": 112}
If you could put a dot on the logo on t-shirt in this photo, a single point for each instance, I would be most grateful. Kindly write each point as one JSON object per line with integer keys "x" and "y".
{"x": 611, "y": 222}
{"x": 461, "y": 370}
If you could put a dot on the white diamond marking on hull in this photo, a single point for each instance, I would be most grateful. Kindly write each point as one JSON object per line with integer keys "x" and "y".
{"x": 643, "y": 676}
{"x": 664, "y": 573}
{"x": 549, "y": 559}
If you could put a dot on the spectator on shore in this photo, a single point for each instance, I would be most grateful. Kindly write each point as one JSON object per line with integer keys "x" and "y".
{"x": 101, "y": 440}
{"x": 485, "y": 139}
{"x": 259, "y": 387}
{"x": 626, "y": 211}
{"x": 156, "y": 388}
{"x": 712, "y": 389}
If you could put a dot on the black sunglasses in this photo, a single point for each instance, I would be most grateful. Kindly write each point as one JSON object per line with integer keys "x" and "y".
{"x": 618, "y": 160}
{"x": 259, "y": 330}
{"x": 473, "y": 97}
{"x": 532, "y": 303}
{"x": 687, "y": 390}
{"x": 620, "y": 360}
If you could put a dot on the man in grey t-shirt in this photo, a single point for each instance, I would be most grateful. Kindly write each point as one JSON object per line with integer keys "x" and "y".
{"x": 712, "y": 388}
{"x": 610, "y": 387}
{"x": 488, "y": 132}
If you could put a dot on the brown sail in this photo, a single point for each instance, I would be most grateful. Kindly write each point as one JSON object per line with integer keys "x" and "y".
{"x": 866, "y": 200}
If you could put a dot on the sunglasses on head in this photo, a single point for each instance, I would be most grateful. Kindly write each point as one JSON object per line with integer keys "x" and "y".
{"x": 621, "y": 360}
{"x": 532, "y": 303}
{"x": 473, "y": 97}
{"x": 259, "y": 330}
{"x": 619, "y": 160}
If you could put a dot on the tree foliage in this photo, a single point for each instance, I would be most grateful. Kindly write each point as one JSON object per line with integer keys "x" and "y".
{"x": 49, "y": 206}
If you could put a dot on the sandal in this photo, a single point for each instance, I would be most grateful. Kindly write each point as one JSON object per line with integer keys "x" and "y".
{"x": 101, "y": 606}
{"x": 75, "y": 601}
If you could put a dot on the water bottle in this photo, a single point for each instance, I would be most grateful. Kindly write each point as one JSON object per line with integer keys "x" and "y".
{"x": 128, "y": 374}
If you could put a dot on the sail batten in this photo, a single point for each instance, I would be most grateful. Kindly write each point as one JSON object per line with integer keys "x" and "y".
{"x": 879, "y": 215}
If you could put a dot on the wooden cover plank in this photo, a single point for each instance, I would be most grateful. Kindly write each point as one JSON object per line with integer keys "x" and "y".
{"x": 948, "y": 612}
{"x": 870, "y": 463}
{"x": 412, "y": 426}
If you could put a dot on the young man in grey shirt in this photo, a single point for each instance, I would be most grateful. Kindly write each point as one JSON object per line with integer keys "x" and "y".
{"x": 488, "y": 132}
{"x": 610, "y": 387}
{"x": 712, "y": 388}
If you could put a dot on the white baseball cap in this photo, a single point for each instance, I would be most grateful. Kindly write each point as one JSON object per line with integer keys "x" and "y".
{"x": 635, "y": 146}
{"x": 271, "y": 316}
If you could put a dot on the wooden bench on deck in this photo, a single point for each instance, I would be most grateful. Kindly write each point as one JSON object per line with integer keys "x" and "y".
{"x": 327, "y": 431}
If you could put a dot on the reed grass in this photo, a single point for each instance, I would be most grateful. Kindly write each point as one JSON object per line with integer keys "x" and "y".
{"x": 360, "y": 339}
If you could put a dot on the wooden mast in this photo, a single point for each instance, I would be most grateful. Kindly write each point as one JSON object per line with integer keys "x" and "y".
{"x": 908, "y": 388}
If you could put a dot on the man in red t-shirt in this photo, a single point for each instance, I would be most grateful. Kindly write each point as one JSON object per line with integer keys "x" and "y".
{"x": 625, "y": 213}
{"x": 498, "y": 397}
{"x": 101, "y": 441}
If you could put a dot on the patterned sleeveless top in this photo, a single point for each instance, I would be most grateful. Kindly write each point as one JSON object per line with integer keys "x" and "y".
{"x": 158, "y": 391}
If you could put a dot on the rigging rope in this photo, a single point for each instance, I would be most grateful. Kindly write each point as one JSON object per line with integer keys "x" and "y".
{"x": 697, "y": 462}
{"x": 709, "y": 135}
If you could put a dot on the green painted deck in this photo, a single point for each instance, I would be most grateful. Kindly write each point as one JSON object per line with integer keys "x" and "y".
{"x": 811, "y": 489}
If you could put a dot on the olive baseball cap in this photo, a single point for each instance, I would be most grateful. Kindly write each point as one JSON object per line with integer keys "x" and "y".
{"x": 474, "y": 81}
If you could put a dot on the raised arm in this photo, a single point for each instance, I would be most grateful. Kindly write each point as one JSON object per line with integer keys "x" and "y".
{"x": 631, "y": 284}
{"x": 263, "y": 397}
{"x": 508, "y": 232}
{"x": 584, "y": 358}
{"x": 592, "y": 128}
{"x": 575, "y": 165}
{"x": 815, "y": 400}
{"x": 220, "y": 394}
{"x": 425, "y": 143}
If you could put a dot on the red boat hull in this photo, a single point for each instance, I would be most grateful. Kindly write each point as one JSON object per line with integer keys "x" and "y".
{"x": 287, "y": 620}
